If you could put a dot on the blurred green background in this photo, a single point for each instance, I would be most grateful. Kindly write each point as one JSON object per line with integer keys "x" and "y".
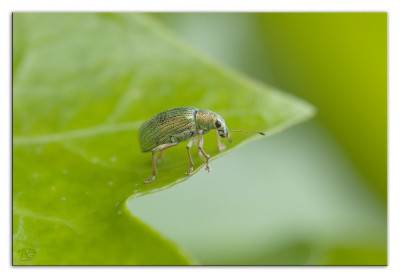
{"x": 315, "y": 194}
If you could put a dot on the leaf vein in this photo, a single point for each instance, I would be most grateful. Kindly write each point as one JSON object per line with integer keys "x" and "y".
{"x": 47, "y": 218}
{"x": 75, "y": 134}
{"x": 123, "y": 104}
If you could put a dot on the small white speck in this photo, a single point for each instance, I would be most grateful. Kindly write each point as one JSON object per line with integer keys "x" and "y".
{"x": 119, "y": 212}
{"x": 64, "y": 171}
{"x": 113, "y": 159}
{"x": 63, "y": 198}
{"x": 110, "y": 183}
{"x": 116, "y": 204}
{"x": 35, "y": 175}
{"x": 95, "y": 160}
{"x": 53, "y": 188}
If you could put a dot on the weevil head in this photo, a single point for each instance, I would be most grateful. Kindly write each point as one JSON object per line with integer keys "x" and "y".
{"x": 221, "y": 127}
{"x": 207, "y": 120}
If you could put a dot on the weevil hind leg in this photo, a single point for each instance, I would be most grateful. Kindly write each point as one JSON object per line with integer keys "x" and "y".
{"x": 160, "y": 157}
{"x": 160, "y": 148}
{"x": 200, "y": 146}
{"x": 188, "y": 146}
{"x": 153, "y": 176}
{"x": 221, "y": 146}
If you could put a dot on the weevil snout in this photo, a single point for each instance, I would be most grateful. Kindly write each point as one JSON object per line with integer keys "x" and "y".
{"x": 223, "y": 133}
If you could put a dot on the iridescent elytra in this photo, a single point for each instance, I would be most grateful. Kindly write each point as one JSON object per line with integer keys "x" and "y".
{"x": 168, "y": 128}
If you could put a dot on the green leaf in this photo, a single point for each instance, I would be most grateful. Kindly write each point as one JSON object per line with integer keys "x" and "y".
{"x": 82, "y": 85}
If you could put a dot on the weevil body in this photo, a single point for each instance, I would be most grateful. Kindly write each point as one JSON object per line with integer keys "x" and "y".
{"x": 170, "y": 127}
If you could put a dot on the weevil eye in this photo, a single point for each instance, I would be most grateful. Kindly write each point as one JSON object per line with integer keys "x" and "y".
{"x": 217, "y": 124}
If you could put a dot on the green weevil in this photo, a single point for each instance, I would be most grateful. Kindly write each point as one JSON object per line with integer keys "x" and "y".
{"x": 168, "y": 128}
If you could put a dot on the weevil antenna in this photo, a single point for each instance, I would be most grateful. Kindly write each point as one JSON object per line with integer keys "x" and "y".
{"x": 246, "y": 131}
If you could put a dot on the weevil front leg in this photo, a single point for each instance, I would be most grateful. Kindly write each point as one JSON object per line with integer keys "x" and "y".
{"x": 221, "y": 146}
{"x": 188, "y": 146}
{"x": 200, "y": 146}
{"x": 160, "y": 148}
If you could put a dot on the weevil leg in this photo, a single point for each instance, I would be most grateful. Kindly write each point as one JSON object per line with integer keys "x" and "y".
{"x": 160, "y": 148}
{"x": 160, "y": 156}
{"x": 221, "y": 146}
{"x": 188, "y": 146}
{"x": 200, "y": 145}
{"x": 154, "y": 169}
